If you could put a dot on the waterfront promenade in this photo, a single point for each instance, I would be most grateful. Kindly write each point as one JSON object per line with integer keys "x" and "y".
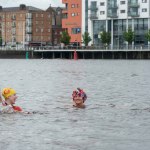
{"x": 82, "y": 53}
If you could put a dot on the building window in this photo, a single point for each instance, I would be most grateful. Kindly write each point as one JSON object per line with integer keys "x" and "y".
{"x": 122, "y": 2}
{"x": 37, "y": 30}
{"x": 144, "y": 10}
{"x": 58, "y": 12}
{"x": 73, "y": 6}
{"x": 73, "y": 14}
{"x": 36, "y": 15}
{"x": 102, "y": 12}
{"x": 76, "y": 30}
{"x": 102, "y": 4}
{"x": 49, "y": 30}
{"x": 144, "y": 1}
{"x": 122, "y": 11}
{"x": 49, "y": 15}
{"x": 42, "y": 15}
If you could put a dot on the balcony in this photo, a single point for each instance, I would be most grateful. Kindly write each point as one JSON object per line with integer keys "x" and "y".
{"x": 13, "y": 25}
{"x": 133, "y": 14}
{"x": 28, "y": 30}
{"x": 13, "y": 33}
{"x": 93, "y": 16}
{"x": 112, "y": 15}
{"x": 13, "y": 17}
{"x": 28, "y": 16}
{"x": 93, "y": 8}
{"x": 133, "y": 4}
{"x": 112, "y": 7}
{"x": 28, "y": 24}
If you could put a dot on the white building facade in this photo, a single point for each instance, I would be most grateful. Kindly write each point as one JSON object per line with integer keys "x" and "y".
{"x": 116, "y": 16}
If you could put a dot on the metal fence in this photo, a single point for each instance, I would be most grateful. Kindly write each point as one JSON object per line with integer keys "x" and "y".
{"x": 121, "y": 47}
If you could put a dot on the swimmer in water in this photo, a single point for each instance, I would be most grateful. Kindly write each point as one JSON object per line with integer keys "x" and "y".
{"x": 8, "y": 104}
{"x": 79, "y": 97}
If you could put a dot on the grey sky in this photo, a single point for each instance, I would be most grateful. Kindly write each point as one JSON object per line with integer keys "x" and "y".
{"x": 43, "y": 4}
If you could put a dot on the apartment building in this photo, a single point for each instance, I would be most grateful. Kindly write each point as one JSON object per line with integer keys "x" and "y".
{"x": 116, "y": 16}
{"x": 72, "y": 19}
{"x": 25, "y": 25}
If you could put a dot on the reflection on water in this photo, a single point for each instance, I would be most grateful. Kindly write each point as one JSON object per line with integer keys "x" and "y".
{"x": 117, "y": 110}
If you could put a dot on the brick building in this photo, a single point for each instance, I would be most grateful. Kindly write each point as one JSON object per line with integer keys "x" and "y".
{"x": 72, "y": 19}
{"x": 25, "y": 25}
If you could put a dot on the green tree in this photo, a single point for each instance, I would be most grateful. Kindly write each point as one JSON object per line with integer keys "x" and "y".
{"x": 105, "y": 38}
{"x": 86, "y": 38}
{"x": 129, "y": 36}
{"x": 147, "y": 35}
{"x": 65, "y": 38}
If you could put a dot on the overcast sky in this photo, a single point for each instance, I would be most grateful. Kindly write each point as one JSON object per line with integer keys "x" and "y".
{"x": 42, "y": 4}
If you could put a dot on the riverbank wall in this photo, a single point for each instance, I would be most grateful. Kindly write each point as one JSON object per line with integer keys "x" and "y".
{"x": 69, "y": 54}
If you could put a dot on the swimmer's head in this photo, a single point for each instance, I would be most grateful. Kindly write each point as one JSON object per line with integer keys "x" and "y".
{"x": 7, "y": 92}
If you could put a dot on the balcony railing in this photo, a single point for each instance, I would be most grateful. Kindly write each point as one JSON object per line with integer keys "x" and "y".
{"x": 28, "y": 16}
{"x": 13, "y": 17}
{"x": 133, "y": 14}
{"x": 93, "y": 8}
{"x": 93, "y": 16}
{"x": 112, "y": 7}
{"x": 29, "y": 24}
{"x": 29, "y": 31}
{"x": 13, "y": 33}
{"x": 112, "y": 15}
{"x": 133, "y": 4}
{"x": 13, "y": 25}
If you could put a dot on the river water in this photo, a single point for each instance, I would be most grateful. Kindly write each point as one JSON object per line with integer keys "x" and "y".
{"x": 117, "y": 113}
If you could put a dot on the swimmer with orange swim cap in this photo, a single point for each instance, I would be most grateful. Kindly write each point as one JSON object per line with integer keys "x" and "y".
{"x": 10, "y": 97}
{"x": 79, "y": 97}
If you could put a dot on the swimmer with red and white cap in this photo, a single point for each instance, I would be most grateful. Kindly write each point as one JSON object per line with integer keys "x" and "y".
{"x": 79, "y": 97}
